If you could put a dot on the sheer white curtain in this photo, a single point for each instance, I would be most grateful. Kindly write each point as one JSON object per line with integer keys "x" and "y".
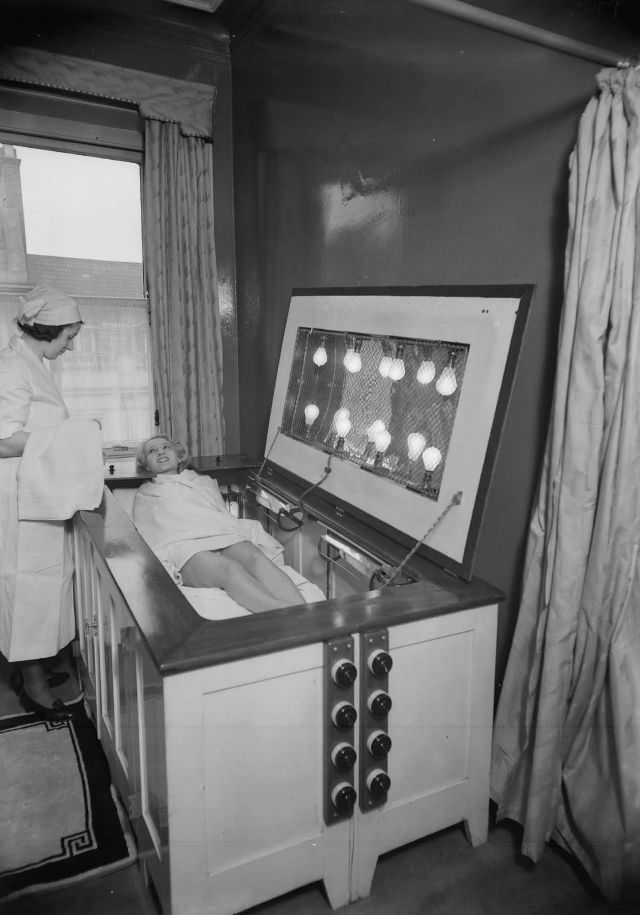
{"x": 107, "y": 376}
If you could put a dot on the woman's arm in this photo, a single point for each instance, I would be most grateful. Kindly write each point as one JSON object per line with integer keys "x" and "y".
{"x": 13, "y": 446}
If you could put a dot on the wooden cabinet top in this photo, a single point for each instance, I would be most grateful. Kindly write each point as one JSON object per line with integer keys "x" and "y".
{"x": 179, "y": 639}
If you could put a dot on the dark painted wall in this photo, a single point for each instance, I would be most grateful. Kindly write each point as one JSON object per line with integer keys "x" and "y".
{"x": 379, "y": 143}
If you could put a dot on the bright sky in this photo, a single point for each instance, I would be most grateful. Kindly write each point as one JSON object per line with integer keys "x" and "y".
{"x": 81, "y": 206}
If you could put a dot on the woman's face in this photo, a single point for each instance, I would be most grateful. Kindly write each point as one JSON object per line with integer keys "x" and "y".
{"x": 51, "y": 349}
{"x": 162, "y": 456}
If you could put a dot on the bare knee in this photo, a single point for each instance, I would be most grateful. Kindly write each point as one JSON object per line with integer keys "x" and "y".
{"x": 246, "y": 554}
{"x": 209, "y": 570}
{"x": 235, "y": 572}
{"x": 229, "y": 570}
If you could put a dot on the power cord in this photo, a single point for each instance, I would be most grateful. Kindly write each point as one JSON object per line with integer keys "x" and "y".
{"x": 381, "y": 579}
{"x": 291, "y": 519}
{"x": 257, "y": 477}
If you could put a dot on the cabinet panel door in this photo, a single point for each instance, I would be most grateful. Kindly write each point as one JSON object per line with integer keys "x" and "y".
{"x": 262, "y": 747}
{"x": 85, "y": 598}
{"x": 245, "y": 771}
{"x": 440, "y": 724}
{"x": 107, "y": 638}
{"x": 152, "y": 750}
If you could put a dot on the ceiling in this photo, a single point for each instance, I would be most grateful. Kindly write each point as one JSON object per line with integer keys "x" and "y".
{"x": 573, "y": 18}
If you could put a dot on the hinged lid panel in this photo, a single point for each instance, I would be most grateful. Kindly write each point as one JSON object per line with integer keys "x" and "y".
{"x": 402, "y": 393}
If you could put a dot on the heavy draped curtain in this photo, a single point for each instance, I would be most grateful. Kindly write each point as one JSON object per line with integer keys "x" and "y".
{"x": 566, "y": 761}
{"x": 180, "y": 267}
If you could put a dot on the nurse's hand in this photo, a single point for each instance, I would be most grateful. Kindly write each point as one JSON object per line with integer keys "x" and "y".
{"x": 13, "y": 446}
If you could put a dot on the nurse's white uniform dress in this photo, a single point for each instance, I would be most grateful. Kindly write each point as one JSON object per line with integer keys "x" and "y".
{"x": 36, "y": 561}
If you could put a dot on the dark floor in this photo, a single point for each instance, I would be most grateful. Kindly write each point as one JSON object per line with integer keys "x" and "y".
{"x": 440, "y": 875}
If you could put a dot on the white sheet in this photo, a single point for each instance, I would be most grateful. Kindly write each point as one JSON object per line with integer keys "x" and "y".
{"x": 61, "y": 471}
{"x": 215, "y": 604}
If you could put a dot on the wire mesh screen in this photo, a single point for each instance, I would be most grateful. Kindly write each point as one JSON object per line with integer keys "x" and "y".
{"x": 387, "y": 404}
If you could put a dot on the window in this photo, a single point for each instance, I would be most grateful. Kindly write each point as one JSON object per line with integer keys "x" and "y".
{"x": 70, "y": 217}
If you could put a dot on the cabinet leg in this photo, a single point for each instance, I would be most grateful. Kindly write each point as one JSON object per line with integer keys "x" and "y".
{"x": 476, "y": 827}
{"x": 364, "y": 870}
{"x": 337, "y": 891}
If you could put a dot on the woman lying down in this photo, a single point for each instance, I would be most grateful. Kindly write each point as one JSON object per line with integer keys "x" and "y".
{"x": 183, "y": 517}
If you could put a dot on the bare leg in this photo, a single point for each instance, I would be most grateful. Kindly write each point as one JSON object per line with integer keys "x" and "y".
{"x": 265, "y": 571}
{"x": 215, "y": 570}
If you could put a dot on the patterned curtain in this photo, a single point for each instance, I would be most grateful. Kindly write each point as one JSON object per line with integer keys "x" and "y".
{"x": 567, "y": 737}
{"x": 180, "y": 264}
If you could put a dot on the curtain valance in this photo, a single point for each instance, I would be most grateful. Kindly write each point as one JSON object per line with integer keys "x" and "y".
{"x": 161, "y": 98}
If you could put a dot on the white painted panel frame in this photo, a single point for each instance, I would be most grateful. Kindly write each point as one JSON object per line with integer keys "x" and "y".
{"x": 486, "y": 324}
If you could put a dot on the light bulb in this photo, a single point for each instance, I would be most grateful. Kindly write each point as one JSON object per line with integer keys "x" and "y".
{"x": 342, "y": 413}
{"x": 415, "y": 445}
{"x": 311, "y": 412}
{"x": 382, "y": 441}
{"x": 352, "y": 361}
{"x": 396, "y": 369}
{"x": 374, "y": 429}
{"x": 431, "y": 457}
{"x": 385, "y": 365}
{"x": 343, "y": 426}
{"x": 427, "y": 372}
{"x": 447, "y": 382}
{"x": 320, "y": 356}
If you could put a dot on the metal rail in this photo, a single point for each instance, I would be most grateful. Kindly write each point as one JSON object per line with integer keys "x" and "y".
{"x": 531, "y": 33}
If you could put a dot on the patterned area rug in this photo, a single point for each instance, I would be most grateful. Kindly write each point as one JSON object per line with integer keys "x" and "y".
{"x": 60, "y": 821}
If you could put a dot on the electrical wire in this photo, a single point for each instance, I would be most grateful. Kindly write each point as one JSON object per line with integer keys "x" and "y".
{"x": 381, "y": 579}
{"x": 291, "y": 519}
{"x": 257, "y": 477}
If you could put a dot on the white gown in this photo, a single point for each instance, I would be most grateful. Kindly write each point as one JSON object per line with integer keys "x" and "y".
{"x": 36, "y": 560}
{"x": 182, "y": 514}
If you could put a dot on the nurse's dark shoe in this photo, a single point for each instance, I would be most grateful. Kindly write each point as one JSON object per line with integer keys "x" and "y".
{"x": 16, "y": 682}
{"x": 56, "y": 713}
{"x": 54, "y": 679}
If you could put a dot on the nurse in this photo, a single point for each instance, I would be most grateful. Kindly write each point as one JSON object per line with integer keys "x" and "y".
{"x": 36, "y": 565}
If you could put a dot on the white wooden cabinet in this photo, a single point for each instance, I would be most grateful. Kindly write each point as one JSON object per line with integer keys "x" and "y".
{"x": 221, "y": 764}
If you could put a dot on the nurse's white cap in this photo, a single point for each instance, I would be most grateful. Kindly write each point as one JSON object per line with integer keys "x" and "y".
{"x": 46, "y": 305}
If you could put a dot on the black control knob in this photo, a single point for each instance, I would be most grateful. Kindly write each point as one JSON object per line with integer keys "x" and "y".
{"x": 344, "y": 672}
{"x": 379, "y": 703}
{"x": 379, "y": 662}
{"x": 343, "y": 797}
{"x": 378, "y": 783}
{"x": 343, "y": 756}
{"x": 378, "y": 744}
{"x": 344, "y": 715}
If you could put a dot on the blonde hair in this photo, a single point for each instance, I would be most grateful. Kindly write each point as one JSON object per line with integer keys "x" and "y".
{"x": 141, "y": 453}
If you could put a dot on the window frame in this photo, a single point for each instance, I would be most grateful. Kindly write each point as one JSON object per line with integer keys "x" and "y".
{"x": 69, "y": 122}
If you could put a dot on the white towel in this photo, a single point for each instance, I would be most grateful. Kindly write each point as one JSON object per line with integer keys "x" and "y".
{"x": 61, "y": 471}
